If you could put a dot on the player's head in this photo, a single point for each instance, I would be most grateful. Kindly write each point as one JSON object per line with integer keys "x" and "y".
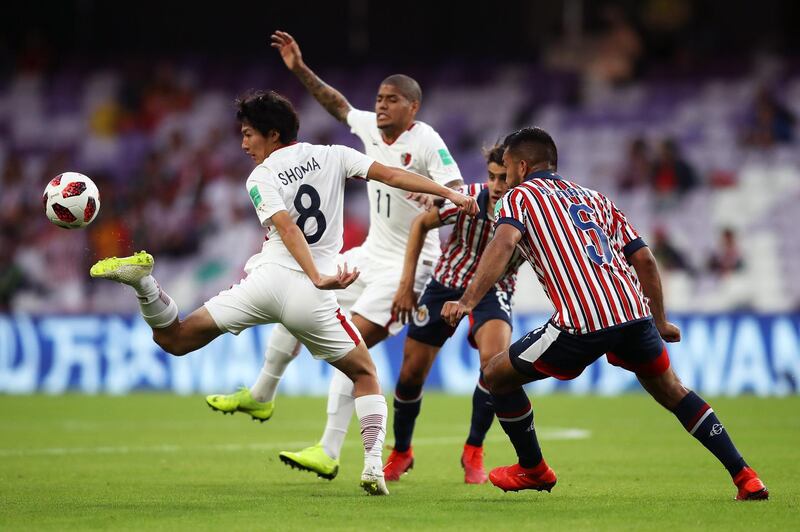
{"x": 268, "y": 121}
{"x": 530, "y": 149}
{"x": 496, "y": 179}
{"x": 397, "y": 102}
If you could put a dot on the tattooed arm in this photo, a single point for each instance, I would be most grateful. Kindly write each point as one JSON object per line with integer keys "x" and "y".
{"x": 331, "y": 99}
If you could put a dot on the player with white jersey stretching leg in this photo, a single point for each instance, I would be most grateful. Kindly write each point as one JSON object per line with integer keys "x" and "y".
{"x": 392, "y": 136}
{"x": 297, "y": 190}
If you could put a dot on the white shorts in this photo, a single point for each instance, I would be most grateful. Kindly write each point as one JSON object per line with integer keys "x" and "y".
{"x": 276, "y": 294}
{"x": 372, "y": 294}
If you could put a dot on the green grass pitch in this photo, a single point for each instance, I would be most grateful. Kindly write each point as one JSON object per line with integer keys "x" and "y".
{"x": 155, "y": 461}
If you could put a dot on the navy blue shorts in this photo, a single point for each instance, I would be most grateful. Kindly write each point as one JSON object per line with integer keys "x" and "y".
{"x": 550, "y": 352}
{"x": 428, "y": 327}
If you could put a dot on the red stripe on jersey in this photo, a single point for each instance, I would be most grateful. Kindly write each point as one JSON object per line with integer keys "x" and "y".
{"x": 589, "y": 277}
{"x": 347, "y": 328}
{"x": 447, "y": 272}
{"x": 461, "y": 256}
{"x": 587, "y": 296}
{"x": 483, "y": 239}
{"x": 513, "y": 204}
{"x": 627, "y": 307}
{"x": 590, "y": 272}
{"x": 573, "y": 316}
{"x": 631, "y": 283}
{"x": 470, "y": 240}
{"x": 558, "y": 236}
{"x": 627, "y": 292}
{"x": 610, "y": 299}
{"x": 614, "y": 305}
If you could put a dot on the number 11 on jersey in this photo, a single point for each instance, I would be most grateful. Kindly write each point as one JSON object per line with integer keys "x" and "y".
{"x": 388, "y": 208}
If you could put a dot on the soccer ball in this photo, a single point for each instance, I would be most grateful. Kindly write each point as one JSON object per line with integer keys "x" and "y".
{"x": 71, "y": 200}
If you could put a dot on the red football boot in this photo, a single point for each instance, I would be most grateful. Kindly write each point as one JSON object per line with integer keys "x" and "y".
{"x": 398, "y": 463}
{"x": 516, "y": 477}
{"x": 472, "y": 462}
{"x": 750, "y": 486}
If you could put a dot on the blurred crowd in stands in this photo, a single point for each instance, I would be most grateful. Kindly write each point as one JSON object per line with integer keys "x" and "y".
{"x": 707, "y": 166}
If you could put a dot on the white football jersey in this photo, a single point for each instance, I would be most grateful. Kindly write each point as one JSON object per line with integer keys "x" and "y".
{"x": 419, "y": 149}
{"x": 307, "y": 181}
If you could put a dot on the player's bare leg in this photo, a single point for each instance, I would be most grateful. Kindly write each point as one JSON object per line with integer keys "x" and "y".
{"x": 492, "y": 338}
{"x": 184, "y": 336}
{"x": 418, "y": 358}
{"x": 340, "y": 393}
{"x": 323, "y": 458}
{"x": 370, "y": 407}
{"x": 176, "y": 337}
{"x": 258, "y": 401}
{"x": 698, "y": 418}
{"x": 514, "y": 412}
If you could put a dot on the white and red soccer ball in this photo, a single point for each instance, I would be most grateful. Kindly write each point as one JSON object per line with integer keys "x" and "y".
{"x": 71, "y": 200}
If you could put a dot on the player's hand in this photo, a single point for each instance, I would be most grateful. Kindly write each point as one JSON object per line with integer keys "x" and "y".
{"x": 453, "y": 311}
{"x": 404, "y": 304}
{"x": 287, "y": 46}
{"x": 467, "y": 204}
{"x": 426, "y": 201}
{"x": 342, "y": 279}
{"x": 669, "y": 332}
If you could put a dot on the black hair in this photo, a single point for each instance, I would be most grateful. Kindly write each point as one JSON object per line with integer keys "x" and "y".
{"x": 407, "y": 86}
{"x": 268, "y": 111}
{"x": 533, "y": 144}
{"x": 494, "y": 154}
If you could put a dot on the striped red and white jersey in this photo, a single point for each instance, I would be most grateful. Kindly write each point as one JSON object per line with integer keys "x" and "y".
{"x": 469, "y": 238}
{"x": 577, "y": 242}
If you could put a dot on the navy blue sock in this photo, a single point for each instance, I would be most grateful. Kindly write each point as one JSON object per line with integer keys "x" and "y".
{"x": 482, "y": 413}
{"x": 701, "y": 422}
{"x": 515, "y": 415}
{"x": 407, "y": 402}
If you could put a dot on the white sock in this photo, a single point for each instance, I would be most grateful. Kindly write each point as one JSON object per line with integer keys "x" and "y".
{"x": 281, "y": 350}
{"x": 340, "y": 410}
{"x": 371, "y": 411}
{"x": 158, "y": 309}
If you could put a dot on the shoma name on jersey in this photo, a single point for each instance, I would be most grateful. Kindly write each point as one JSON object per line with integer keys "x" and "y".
{"x": 298, "y": 172}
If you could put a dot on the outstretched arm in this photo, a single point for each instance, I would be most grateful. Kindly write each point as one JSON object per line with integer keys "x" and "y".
{"x": 331, "y": 99}
{"x": 405, "y": 300}
{"x": 646, "y": 268}
{"x": 493, "y": 263}
{"x": 411, "y": 182}
{"x": 295, "y": 241}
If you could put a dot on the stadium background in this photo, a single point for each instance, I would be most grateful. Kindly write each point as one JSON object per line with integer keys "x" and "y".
{"x": 683, "y": 112}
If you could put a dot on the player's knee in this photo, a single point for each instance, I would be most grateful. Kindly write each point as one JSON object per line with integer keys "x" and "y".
{"x": 675, "y": 391}
{"x": 171, "y": 344}
{"x": 491, "y": 377}
{"x": 412, "y": 374}
{"x": 362, "y": 372}
{"x": 666, "y": 388}
{"x": 365, "y": 382}
{"x": 486, "y": 355}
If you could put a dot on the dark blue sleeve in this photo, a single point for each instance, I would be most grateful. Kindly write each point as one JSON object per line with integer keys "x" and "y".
{"x": 633, "y": 246}
{"x": 512, "y": 221}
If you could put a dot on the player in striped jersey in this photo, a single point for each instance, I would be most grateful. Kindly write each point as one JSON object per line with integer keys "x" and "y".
{"x": 582, "y": 249}
{"x": 490, "y": 321}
